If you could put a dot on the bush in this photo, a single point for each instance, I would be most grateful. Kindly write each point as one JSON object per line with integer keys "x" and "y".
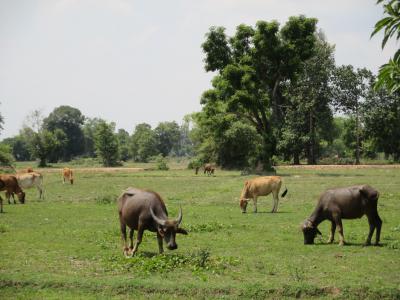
{"x": 161, "y": 163}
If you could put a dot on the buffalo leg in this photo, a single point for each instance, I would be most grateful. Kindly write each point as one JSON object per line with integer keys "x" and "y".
{"x": 123, "y": 236}
{"x": 131, "y": 240}
{"x": 160, "y": 243}
{"x": 138, "y": 239}
{"x": 332, "y": 235}
{"x": 339, "y": 224}
{"x": 378, "y": 228}
{"x": 372, "y": 226}
{"x": 1, "y": 204}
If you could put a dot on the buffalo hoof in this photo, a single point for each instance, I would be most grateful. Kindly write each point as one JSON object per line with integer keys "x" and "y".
{"x": 243, "y": 212}
{"x": 342, "y": 243}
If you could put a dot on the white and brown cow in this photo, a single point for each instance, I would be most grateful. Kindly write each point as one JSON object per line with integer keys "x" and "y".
{"x": 31, "y": 179}
{"x": 261, "y": 186}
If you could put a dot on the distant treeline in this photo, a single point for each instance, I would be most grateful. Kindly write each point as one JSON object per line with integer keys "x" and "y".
{"x": 277, "y": 96}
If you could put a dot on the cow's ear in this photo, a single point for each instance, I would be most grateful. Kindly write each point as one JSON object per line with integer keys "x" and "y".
{"x": 181, "y": 231}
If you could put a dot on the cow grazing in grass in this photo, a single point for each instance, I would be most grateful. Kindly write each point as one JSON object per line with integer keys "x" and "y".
{"x": 28, "y": 180}
{"x": 261, "y": 186}
{"x": 344, "y": 203}
{"x": 67, "y": 175}
{"x": 145, "y": 210}
{"x": 9, "y": 184}
{"x": 209, "y": 169}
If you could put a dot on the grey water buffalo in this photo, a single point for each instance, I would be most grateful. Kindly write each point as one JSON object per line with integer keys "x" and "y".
{"x": 9, "y": 184}
{"x": 145, "y": 210}
{"x": 261, "y": 186}
{"x": 344, "y": 203}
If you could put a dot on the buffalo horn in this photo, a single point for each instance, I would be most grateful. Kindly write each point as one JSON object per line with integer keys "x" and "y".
{"x": 179, "y": 218}
{"x": 157, "y": 219}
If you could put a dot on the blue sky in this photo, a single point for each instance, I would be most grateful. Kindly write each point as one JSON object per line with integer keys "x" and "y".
{"x": 141, "y": 61}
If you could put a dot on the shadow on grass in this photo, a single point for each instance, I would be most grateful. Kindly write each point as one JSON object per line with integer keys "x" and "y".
{"x": 348, "y": 244}
{"x": 337, "y": 175}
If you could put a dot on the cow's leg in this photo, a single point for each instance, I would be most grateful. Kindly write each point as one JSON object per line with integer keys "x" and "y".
{"x": 275, "y": 196}
{"x": 254, "y": 204}
{"x": 1, "y": 205}
{"x": 160, "y": 243}
{"x": 123, "y": 236}
{"x": 332, "y": 234}
{"x": 138, "y": 238}
{"x": 63, "y": 180}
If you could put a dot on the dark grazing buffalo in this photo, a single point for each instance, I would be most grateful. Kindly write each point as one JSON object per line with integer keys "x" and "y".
{"x": 344, "y": 203}
{"x": 145, "y": 210}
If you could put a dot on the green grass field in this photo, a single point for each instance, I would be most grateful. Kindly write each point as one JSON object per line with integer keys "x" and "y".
{"x": 68, "y": 245}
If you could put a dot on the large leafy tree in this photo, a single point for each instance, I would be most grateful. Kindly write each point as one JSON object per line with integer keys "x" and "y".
{"x": 124, "y": 144}
{"x": 350, "y": 87}
{"x": 308, "y": 117}
{"x": 167, "y": 135}
{"x": 70, "y": 121}
{"x": 106, "y": 143}
{"x": 252, "y": 66}
{"x": 381, "y": 112}
{"x": 143, "y": 143}
{"x": 389, "y": 73}
{"x": 45, "y": 144}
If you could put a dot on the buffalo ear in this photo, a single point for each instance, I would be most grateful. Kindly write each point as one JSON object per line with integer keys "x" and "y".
{"x": 319, "y": 232}
{"x": 181, "y": 231}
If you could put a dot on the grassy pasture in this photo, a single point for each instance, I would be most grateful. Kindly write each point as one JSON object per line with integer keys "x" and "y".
{"x": 68, "y": 245}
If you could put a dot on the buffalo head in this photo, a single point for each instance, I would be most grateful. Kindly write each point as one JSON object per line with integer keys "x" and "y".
{"x": 168, "y": 228}
{"x": 309, "y": 232}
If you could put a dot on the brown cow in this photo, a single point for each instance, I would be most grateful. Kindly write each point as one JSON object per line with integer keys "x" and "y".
{"x": 9, "y": 184}
{"x": 29, "y": 170}
{"x": 67, "y": 175}
{"x": 209, "y": 169}
{"x": 145, "y": 210}
{"x": 261, "y": 186}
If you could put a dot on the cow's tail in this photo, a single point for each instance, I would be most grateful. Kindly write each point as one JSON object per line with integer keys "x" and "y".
{"x": 284, "y": 192}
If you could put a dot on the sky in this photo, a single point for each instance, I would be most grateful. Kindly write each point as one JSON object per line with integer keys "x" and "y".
{"x": 141, "y": 61}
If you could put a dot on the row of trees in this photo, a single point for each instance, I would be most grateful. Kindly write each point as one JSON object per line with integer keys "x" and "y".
{"x": 66, "y": 133}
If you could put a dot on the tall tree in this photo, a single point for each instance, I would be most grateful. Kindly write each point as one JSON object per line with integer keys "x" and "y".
{"x": 167, "y": 135}
{"x": 124, "y": 144}
{"x": 381, "y": 112}
{"x": 89, "y": 129}
{"x": 308, "y": 116}
{"x": 70, "y": 121}
{"x": 350, "y": 87}
{"x": 389, "y": 73}
{"x": 106, "y": 143}
{"x": 252, "y": 65}
{"x": 143, "y": 143}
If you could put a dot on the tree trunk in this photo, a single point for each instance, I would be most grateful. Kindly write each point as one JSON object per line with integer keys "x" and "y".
{"x": 311, "y": 153}
{"x": 296, "y": 158}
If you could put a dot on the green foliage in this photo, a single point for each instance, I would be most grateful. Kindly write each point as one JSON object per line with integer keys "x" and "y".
{"x": 389, "y": 74}
{"x": 48, "y": 145}
{"x": 89, "y": 129}
{"x": 161, "y": 163}
{"x": 124, "y": 144}
{"x": 20, "y": 147}
{"x": 6, "y": 158}
{"x": 382, "y": 121}
{"x": 143, "y": 143}
{"x": 70, "y": 121}
{"x": 252, "y": 65}
{"x": 167, "y": 135}
{"x": 106, "y": 143}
